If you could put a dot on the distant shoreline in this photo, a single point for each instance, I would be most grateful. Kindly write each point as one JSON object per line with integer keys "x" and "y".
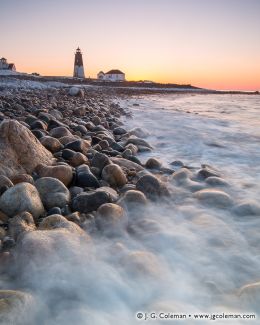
{"x": 127, "y": 87}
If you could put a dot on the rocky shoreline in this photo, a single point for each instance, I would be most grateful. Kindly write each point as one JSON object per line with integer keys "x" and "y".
{"x": 70, "y": 173}
{"x": 67, "y": 166}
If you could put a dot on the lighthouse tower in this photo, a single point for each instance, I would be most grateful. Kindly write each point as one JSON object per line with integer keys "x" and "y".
{"x": 78, "y": 65}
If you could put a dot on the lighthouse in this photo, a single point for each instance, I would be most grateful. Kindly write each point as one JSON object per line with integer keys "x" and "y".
{"x": 78, "y": 65}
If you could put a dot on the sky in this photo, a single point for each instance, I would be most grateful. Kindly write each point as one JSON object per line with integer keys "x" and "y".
{"x": 207, "y": 43}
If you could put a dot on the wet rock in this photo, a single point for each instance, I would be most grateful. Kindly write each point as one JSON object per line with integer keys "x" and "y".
{"x": 53, "y": 193}
{"x": 82, "y": 129}
{"x": 96, "y": 120}
{"x": 177, "y": 163}
{"x": 20, "y": 151}
{"x": 247, "y": 208}
{"x": 5, "y": 183}
{"x": 19, "y": 198}
{"x": 111, "y": 219}
{"x": 139, "y": 143}
{"x": 50, "y": 143}
{"x": 85, "y": 178}
{"x": 16, "y": 307}
{"x": 67, "y": 139}
{"x": 104, "y": 144}
{"x": 139, "y": 132}
{"x": 57, "y": 221}
{"x": 181, "y": 176}
{"x": 78, "y": 146}
{"x": 75, "y": 190}
{"x": 60, "y": 132}
{"x": 61, "y": 172}
{"x": 20, "y": 178}
{"x": 3, "y": 217}
{"x": 21, "y": 223}
{"x": 54, "y": 210}
{"x": 39, "y": 125}
{"x": 2, "y": 233}
{"x": 119, "y": 131}
{"x": 100, "y": 160}
{"x": 38, "y": 134}
{"x": 68, "y": 154}
{"x": 114, "y": 175}
{"x": 76, "y": 91}
{"x": 133, "y": 148}
{"x": 153, "y": 163}
{"x": 216, "y": 181}
{"x": 90, "y": 201}
{"x": 151, "y": 186}
{"x": 213, "y": 197}
{"x": 56, "y": 114}
{"x": 78, "y": 159}
{"x": 132, "y": 199}
{"x": 206, "y": 172}
{"x": 125, "y": 163}
{"x": 113, "y": 196}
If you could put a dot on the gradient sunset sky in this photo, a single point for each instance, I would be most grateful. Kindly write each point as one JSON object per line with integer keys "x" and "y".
{"x": 208, "y": 43}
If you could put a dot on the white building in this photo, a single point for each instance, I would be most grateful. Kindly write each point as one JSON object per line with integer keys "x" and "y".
{"x": 4, "y": 65}
{"x": 112, "y": 75}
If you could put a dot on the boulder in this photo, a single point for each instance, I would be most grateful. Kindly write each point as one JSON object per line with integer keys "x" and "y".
{"x": 53, "y": 192}
{"x": 111, "y": 219}
{"x": 56, "y": 221}
{"x": 127, "y": 164}
{"x": 213, "y": 197}
{"x": 20, "y": 150}
{"x": 20, "y": 178}
{"x": 153, "y": 163}
{"x": 110, "y": 191}
{"x": 138, "y": 142}
{"x": 85, "y": 178}
{"x": 59, "y": 132}
{"x": 76, "y": 91}
{"x": 139, "y": 132}
{"x": 61, "y": 172}
{"x": 151, "y": 186}
{"x": 90, "y": 201}
{"x": 182, "y": 176}
{"x": 100, "y": 161}
{"x": 114, "y": 175}
{"x": 21, "y": 223}
{"x": 78, "y": 146}
{"x": 51, "y": 143}
{"x": 132, "y": 199}
{"x": 16, "y": 307}
{"x": 247, "y": 208}
{"x": 19, "y": 198}
{"x": 5, "y": 183}
{"x": 78, "y": 159}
